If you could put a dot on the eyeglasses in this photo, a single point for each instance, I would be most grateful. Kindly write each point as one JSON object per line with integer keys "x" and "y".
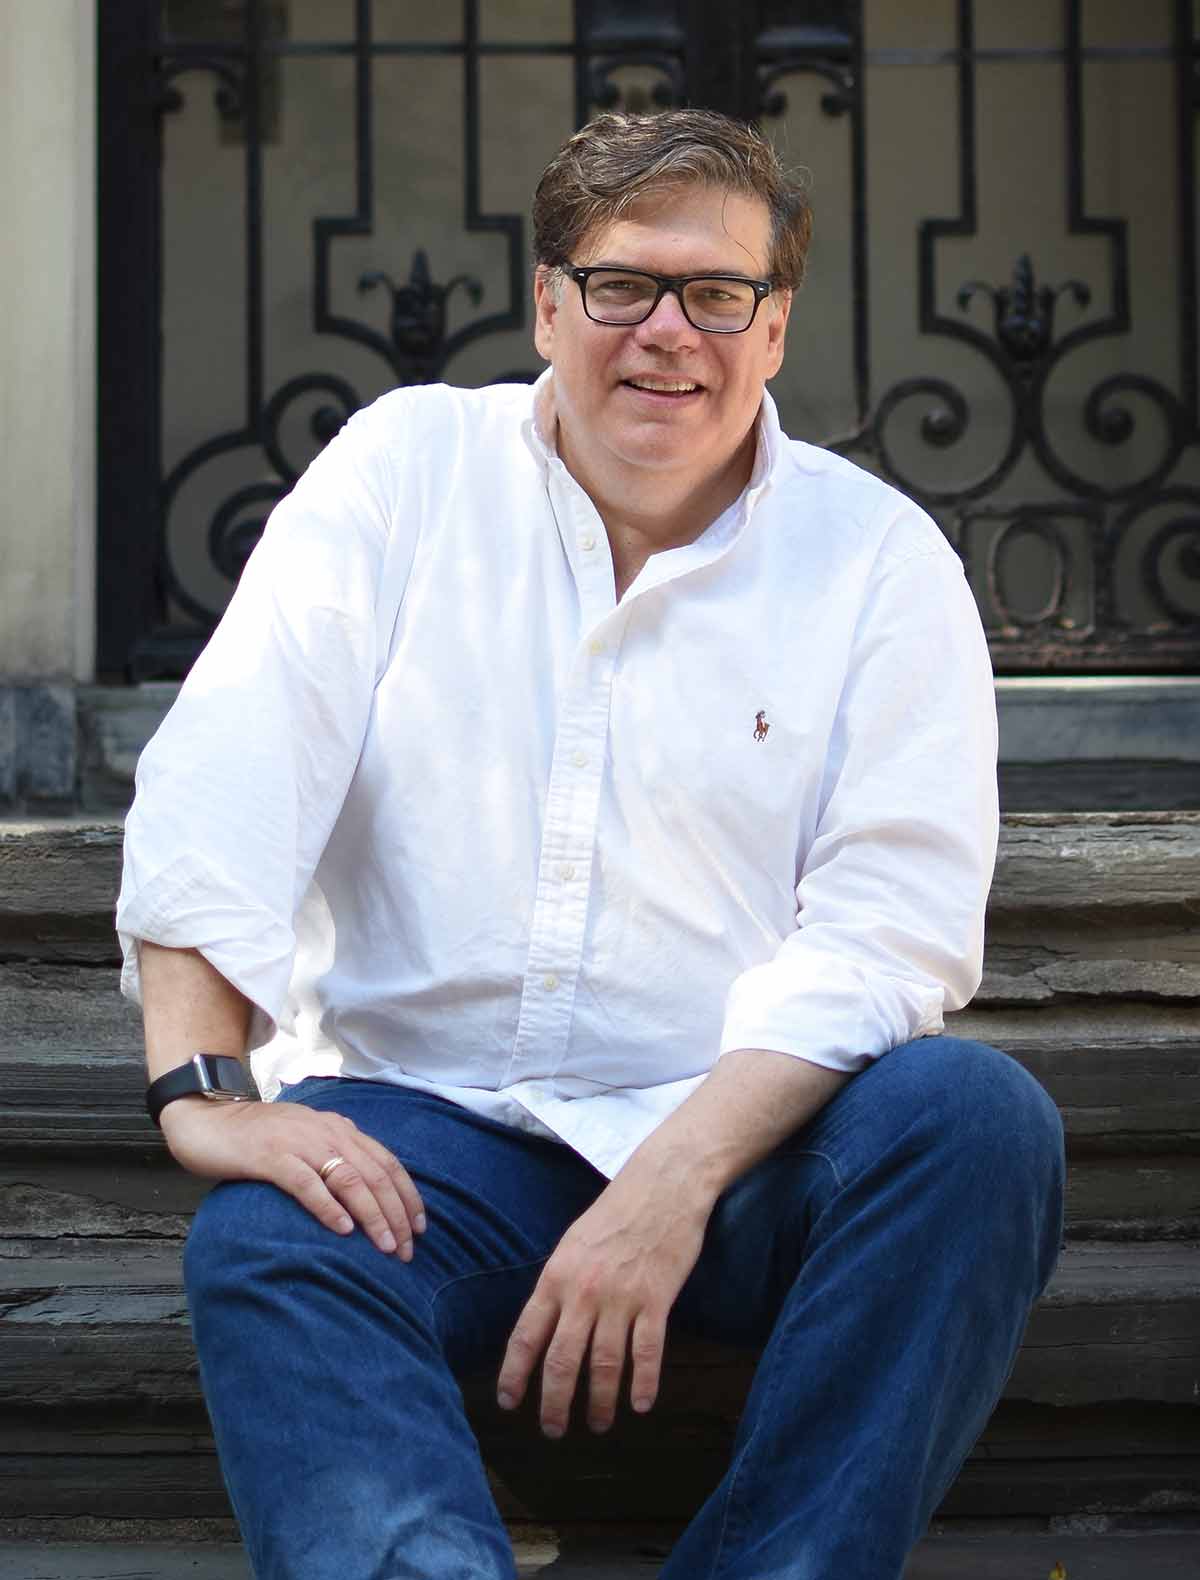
{"x": 719, "y": 304}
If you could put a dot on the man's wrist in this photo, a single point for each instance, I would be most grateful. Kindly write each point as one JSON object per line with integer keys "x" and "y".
{"x": 208, "y": 1077}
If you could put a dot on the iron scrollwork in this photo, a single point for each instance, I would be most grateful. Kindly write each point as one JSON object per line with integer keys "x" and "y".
{"x": 1119, "y": 540}
{"x": 416, "y": 348}
{"x": 418, "y": 317}
{"x": 1025, "y": 353}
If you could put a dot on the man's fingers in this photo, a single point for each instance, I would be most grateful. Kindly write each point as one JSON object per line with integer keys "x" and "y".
{"x": 391, "y": 1185}
{"x": 300, "y": 1180}
{"x": 649, "y": 1339}
{"x": 560, "y": 1374}
{"x": 401, "y": 1179}
{"x": 529, "y": 1339}
{"x": 364, "y": 1188}
{"x": 605, "y": 1365}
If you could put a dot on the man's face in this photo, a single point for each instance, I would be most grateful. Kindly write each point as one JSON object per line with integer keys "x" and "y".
{"x": 608, "y": 417}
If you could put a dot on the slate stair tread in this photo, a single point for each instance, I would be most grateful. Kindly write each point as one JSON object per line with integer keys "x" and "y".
{"x": 1091, "y": 980}
{"x": 993, "y": 1556}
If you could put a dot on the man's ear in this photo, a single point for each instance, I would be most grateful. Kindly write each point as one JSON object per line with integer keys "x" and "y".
{"x": 546, "y": 289}
{"x": 778, "y": 309}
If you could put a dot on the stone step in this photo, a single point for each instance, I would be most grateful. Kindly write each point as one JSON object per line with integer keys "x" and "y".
{"x": 1033, "y": 1462}
{"x": 1127, "y": 1077}
{"x": 103, "y": 1323}
{"x": 638, "y": 1555}
{"x": 1060, "y": 877}
{"x": 1071, "y": 742}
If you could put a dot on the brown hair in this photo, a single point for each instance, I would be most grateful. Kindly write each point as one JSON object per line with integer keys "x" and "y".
{"x": 615, "y": 160}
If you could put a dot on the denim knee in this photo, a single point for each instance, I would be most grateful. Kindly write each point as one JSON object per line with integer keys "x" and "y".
{"x": 238, "y": 1222}
{"x": 985, "y": 1111}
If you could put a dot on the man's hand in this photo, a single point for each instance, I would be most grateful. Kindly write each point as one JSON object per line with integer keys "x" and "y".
{"x": 605, "y": 1294}
{"x": 287, "y": 1144}
{"x": 611, "y": 1283}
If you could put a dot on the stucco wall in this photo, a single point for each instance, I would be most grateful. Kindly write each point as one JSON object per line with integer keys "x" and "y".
{"x": 47, "y": 339}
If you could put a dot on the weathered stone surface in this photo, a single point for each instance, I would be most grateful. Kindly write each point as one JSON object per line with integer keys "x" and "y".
{"x": 58, "y": 889}
{"x": 38, "y": 1211}
{"x": 37, "y": 745}
{"x": 84, "y": 1324}
{"x": 615, "y": 1554}
{"x": 1091, "y": 862}
{"x": 61, "y": 1012}
{"x": 59, "y": 882}
{"x": 1063, "y": 981}
{"x": 54, "y": 1197}
{"x": 9, "y": 746}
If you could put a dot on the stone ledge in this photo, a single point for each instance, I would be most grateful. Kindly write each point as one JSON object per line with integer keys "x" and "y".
{"x": 38, "y": 758}
{"x": 1106, "y": 741}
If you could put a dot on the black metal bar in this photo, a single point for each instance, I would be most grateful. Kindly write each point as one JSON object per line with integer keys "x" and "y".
{"x": 966, "y": 222}
{"x": 582, "y": 100}
{"x": 510, "y": 226}
{"x": 1079, "y": 223}
{"x": 1187, "y": 63}
{"x": 327, "y": 227}
{"x": 254, "y": 240}
{"x": 872, "y": 57}
{"x": 860, "y": 259}
{"x": 129, "y": 180}
{"x": 720, "y": 58}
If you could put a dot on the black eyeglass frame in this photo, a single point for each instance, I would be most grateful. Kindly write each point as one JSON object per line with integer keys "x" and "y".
{"x": 664, "y": 283}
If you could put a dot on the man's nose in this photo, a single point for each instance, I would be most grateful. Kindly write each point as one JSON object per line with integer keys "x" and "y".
{"x": 668, "y": 323}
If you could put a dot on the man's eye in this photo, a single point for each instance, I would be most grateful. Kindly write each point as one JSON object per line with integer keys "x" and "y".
{"x": 612, "y": 289}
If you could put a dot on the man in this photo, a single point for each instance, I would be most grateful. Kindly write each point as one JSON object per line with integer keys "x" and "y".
{"x": 585, "y": 813}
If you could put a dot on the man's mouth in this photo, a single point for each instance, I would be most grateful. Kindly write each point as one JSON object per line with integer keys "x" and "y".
{"x": 661, "y": 386}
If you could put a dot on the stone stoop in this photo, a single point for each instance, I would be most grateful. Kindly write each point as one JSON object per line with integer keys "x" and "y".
{"x": 1066, "y": 742}
{"x": 1092, "y": 981}
{"x": 566, "y": 1554}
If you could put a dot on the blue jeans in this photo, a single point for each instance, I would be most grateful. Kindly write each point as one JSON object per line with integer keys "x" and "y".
{"x": 885, "y": 1259}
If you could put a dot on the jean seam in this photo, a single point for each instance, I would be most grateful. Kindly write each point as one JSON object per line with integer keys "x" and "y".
{"x": 736, "y": 1468}
{"x": 484, "y": 1272}
{"x": 771, "y": 1384}
{"x": 814, "y": 1152}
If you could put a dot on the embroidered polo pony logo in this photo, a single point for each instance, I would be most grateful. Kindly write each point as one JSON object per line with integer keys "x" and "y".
{"x": 760, "y": 726}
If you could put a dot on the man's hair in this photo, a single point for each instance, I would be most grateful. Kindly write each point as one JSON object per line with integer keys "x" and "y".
{"x": 614, "y": 161}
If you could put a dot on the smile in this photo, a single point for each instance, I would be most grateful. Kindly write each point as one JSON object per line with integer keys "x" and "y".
{"x": 661, "y": 386}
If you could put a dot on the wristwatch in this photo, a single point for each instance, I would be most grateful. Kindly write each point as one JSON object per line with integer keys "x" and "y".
{"x": 215, "y": 1076}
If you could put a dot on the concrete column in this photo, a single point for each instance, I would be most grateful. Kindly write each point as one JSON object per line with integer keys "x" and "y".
{"x": 48, "y": 389}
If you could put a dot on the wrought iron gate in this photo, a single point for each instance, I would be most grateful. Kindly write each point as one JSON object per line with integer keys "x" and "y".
{"x": 1080, "y": 529}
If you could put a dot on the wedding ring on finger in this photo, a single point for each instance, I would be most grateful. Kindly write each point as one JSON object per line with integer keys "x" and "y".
{"x": 327, "y": 1169}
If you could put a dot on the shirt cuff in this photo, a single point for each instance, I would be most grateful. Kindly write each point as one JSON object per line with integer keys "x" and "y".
{"x": 830, "y": 1011}
{"x": 189, "y": 906}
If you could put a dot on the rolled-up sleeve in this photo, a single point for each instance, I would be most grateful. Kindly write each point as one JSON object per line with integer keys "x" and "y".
{"x": 892, "y": 889}
{"x": 238, "y": 790}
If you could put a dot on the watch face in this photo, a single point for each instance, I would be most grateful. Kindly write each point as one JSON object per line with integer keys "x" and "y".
{"x": 224, "y": 1077}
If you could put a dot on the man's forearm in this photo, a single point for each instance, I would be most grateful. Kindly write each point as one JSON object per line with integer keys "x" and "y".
{"x": 749, "y": 1103}
{"x": 188, "y": 1007}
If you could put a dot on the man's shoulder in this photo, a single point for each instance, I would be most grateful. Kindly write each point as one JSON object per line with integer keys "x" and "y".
{"x": 864, "y": 507}
{"x": 414, "y": 413}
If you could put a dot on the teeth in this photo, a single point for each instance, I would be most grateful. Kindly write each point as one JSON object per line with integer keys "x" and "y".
{"x": 671, "y": 386}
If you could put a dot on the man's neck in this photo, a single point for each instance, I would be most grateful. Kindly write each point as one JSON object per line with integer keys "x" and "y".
{"x": 644, "y": 515}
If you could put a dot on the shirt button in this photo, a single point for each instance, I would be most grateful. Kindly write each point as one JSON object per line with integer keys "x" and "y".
{"x": 566, "y": 871}
{"x": 580, "y": 759}
{"x": 595, "y": 647}
{"x": 550, "y": 982}
{"x": 587, "y": 542}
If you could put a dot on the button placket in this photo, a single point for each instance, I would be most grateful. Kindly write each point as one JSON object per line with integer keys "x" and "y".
{"x": 564, "y": 872}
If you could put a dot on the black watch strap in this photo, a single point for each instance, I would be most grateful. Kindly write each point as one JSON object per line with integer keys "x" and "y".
{"x": 216, "y": 1076}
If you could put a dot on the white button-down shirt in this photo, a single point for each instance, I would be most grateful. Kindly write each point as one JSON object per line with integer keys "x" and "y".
{"x": 452, "y": 816}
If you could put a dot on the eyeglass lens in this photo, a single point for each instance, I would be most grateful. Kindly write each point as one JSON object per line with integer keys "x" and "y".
{"x": 618, "y": 297}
